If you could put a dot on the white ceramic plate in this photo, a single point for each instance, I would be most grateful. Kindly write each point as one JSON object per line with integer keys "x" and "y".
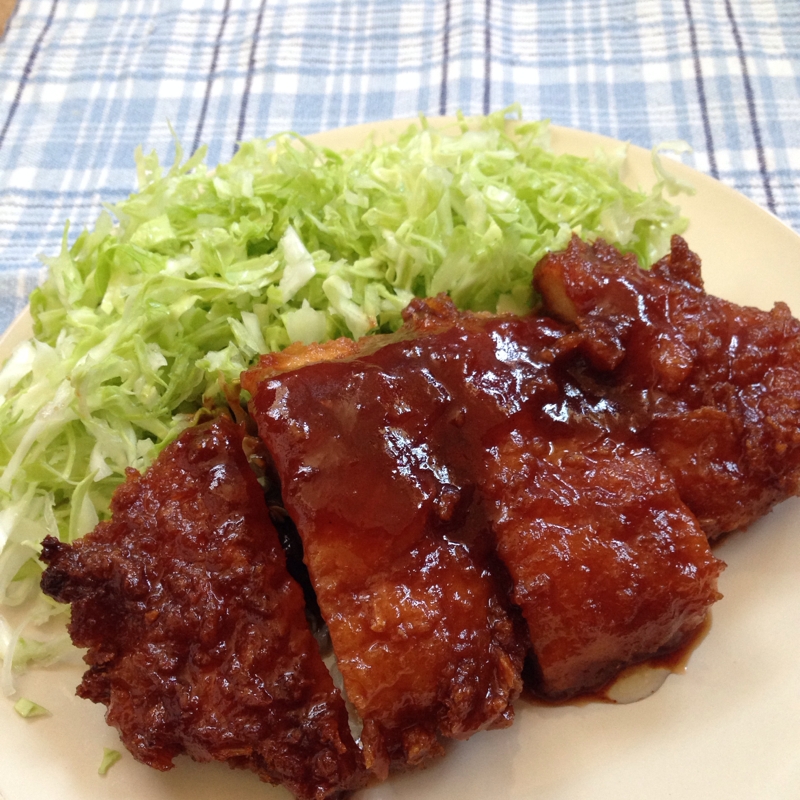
{"x": 726, "y": 729}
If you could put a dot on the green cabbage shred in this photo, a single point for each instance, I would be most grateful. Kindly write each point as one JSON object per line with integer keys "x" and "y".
{"x": 110, "y": 757}
{"x": 27, "y": 708}
{"x": 188, "y": 280}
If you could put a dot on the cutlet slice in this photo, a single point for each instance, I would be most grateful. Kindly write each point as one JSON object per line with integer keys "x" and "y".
{"x": 712, "y": 387}
{"x": 375, "y": 461}
{"x": 197, "y": 636}
{"x": 608, "y": 565}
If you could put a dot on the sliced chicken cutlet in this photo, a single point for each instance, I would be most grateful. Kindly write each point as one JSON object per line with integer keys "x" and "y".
{"x": 712, "y": 387}
{"x": 609, "y": 566}
{"x": 372, "y": 455}
{"x": 439, "y": 436}
{"x": 197, "y": 636}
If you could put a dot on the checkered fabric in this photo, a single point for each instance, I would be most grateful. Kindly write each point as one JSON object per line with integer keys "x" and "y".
{"x": 82, "y": 83}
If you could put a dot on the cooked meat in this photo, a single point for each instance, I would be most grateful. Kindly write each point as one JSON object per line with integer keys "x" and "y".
{"x": 441, "y": 436}
{"x": 712, "y": 387}
{"x": 609, "y": 566}
{"x": 197, "y": 636}
{"x": 376, "y": 464}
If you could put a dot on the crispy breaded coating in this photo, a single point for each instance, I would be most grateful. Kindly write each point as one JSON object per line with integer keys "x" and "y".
{"x": 712, "y": 387}
{"x": 197, "y": 636}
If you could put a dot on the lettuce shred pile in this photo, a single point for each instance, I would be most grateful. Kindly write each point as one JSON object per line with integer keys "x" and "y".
{"x": 186, "y": 282}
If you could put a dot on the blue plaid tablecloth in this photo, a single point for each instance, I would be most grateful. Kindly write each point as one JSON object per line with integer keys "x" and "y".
{"x": 82, "y": 82}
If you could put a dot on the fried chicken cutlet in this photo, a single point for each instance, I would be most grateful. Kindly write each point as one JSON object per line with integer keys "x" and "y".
{"x": 609, "y": 566}
{"x": 712, "y": 387}
{"x": 370, "y": 458}
{"x": 440, "y": 434}
{"x": 197, "y": 636}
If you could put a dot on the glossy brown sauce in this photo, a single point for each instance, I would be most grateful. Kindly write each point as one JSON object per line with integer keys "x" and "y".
{"x": 712, "y": 387}
{"x": 676, "y": 662}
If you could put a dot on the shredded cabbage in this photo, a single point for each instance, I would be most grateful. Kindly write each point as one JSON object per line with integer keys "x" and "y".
{"x": 110, "y": 757}
{"x": 140, "y": 318}
{"x": 27, "y": 708}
